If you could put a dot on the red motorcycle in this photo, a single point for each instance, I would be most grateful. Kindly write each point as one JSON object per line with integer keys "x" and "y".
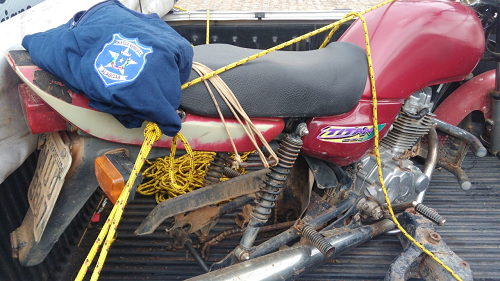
{"x": 316, "y": 107}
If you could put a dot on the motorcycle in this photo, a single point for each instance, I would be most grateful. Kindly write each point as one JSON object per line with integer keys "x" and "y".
{"x": 316, "y": 106}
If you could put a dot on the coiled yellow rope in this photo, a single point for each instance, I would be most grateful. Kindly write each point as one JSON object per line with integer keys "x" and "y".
{"x": 159, "y": 183}
{"x": 377, "y": 152}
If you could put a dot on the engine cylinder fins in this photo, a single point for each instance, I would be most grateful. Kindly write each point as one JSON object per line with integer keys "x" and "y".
{"x": 288, "y": 152}
{"x": 430, "y": 213}
{"x": 405, "y": 132}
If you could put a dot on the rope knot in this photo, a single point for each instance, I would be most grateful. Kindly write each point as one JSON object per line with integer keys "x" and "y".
{"x": 237, "y": 161}
{"x": 152, "y": 130}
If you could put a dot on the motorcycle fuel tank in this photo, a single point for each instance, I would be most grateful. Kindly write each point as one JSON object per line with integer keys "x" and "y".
{"x": 414, "y": 44}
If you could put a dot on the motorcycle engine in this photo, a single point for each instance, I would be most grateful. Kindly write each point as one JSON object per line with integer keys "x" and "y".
{"x": 403, "y": 180}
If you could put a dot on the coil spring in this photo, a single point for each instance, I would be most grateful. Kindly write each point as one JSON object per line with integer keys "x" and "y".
{"x": 430, "y": 213}
{"x": 230, "y": 173}
{"x": 287, "y": 153}
{"x": 318, "y": 240}
{"x": 214, "y": 171}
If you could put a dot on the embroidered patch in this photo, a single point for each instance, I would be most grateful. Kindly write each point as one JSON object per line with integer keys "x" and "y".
{"x": 121, "y": 60}
{"x": 348, "y": 134}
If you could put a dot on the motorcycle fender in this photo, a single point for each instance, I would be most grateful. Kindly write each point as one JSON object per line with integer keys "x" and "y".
{"x": 471, "y": 96}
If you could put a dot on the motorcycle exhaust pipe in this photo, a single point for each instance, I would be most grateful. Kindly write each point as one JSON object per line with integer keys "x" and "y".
{"x": 290, "y": 263}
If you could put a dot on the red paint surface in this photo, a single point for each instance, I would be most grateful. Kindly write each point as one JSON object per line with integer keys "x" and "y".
{"x": 471, "y": 96}
{"x": 415, "y": 44}
{"x": 348, "y": 153}
{"x": 41, "y": 118}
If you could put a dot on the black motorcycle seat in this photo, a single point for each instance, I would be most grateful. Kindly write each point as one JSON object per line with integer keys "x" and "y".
{"x": 323, "y": 82}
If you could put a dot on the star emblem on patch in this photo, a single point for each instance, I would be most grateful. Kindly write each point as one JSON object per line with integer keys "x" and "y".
{"x": 121, "y": 60}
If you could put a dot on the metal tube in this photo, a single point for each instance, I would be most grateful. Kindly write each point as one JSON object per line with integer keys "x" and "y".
{"x": 429, "y": 165}
{"x": 432, "y": 158}
{"x": 462, "y": 178}
{"x": 196, "y": 257}
{"x": 290, "y": 234}
{"x": 463, "y": 135}
{"x": 297, "y": 260}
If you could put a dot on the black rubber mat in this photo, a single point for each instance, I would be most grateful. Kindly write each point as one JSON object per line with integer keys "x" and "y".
{"x": 472, "y": 231}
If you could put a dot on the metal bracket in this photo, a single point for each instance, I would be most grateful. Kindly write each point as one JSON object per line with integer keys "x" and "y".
{"x": 413, "y": 263}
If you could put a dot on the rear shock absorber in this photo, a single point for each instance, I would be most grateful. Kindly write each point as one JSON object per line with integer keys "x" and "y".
{"x": 288, "y": 152}
{"x": 214, "y": 171}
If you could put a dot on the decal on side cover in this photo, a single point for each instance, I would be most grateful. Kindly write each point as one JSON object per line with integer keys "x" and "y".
{"x": 121, "y": 60}
{"x": 348, "y": 134}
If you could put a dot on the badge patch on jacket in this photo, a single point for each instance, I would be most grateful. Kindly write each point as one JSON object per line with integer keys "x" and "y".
{"x": 121, "y": 60}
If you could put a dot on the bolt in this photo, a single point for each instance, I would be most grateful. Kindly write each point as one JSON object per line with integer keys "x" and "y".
{"x": 435, "y": 237}
{"x": 365, "y": 206}
{"x": 464, "y": 264}
{"x": 302, "y": 130}
{"x": 244, "y": 256}
{"x": 377, "y": 213}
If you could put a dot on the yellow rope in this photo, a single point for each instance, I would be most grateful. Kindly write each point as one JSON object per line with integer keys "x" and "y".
{"x": 179, "y": 8}
{"x": 377, "y": 152}
{"x": 152, "y": 133}
{"x": 208, "y": 27}
{"x": 157, "y": 177}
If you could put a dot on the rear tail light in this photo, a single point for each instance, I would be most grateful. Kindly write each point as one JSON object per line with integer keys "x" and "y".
{"x": 41, "y": 118}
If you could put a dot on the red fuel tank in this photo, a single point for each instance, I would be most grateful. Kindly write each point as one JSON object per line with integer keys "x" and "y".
{"x": 414, "y": 44}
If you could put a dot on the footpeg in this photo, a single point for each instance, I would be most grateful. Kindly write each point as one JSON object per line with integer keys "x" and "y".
{"x": 317, "y": 240}
{"x": 429, "y": 213}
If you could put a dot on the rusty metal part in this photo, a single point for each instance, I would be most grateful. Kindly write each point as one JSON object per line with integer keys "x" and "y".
{"x": 202, "y": 197}
{"x": 413, "y": 263}
{"x": 359, "y": 204}
{"x": 202, "y": 220}
{"x": 318, "y": 213}
{"x": 295, "y": 261}
{"x": 215, "y": 170}
{"x": 288, "y": 152}
{"x": 243, "y": 218}
{"x": 463, "y": 135}
{"x": 230, "y": 173}
{"x": 236, "y": 232}
{"x": 462, "y": 178}
{"x": 181, "y": 237}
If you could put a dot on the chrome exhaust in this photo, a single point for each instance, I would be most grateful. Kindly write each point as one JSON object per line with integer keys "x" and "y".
{"x": 290, "y": 263}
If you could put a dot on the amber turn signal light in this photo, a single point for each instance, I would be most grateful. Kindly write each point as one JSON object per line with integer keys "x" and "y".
{"x": 112, "y": 171}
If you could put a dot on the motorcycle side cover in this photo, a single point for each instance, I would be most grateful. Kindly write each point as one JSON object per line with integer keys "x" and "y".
{"x": 414, "y": 44}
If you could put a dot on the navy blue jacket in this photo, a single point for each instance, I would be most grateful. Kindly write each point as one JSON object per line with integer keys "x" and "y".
{"x": 128, "y": 64}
